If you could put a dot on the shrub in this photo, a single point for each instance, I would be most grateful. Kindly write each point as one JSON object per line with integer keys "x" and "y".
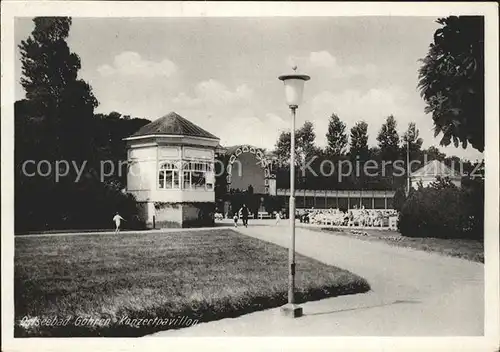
{"x": 399, "y": 198}
{"x": 89, "y": 204}
{"x": 443, "y": 210}
{"x": 98, "y": 202}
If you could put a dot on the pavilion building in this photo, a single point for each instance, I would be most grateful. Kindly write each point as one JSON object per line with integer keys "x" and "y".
{"x": 171, "y": 172}
{"x": 431, "y": 171}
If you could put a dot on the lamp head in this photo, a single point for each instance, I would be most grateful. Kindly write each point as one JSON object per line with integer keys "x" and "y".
{"x": 294, "y": 87}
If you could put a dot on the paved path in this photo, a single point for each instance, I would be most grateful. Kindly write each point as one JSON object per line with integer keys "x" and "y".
{"x": 414, "y": 293}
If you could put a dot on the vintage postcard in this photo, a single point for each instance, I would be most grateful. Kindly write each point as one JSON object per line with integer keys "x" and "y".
{"x": 244, "y": 175}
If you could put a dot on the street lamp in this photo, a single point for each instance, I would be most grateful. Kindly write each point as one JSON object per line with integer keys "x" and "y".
{"x": 408, "y": 170}
{"x": 294, "y": 87}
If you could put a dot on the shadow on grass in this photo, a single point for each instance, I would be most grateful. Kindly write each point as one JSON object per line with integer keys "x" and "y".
{"x": 200, "y": 275}
{"x": 200, "y": 312}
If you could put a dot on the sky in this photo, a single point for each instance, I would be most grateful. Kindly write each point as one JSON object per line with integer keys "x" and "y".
{"x": 222, "y": 73}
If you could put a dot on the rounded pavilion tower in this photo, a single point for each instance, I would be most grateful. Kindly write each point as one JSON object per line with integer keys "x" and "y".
{"x": 171, "y": 172}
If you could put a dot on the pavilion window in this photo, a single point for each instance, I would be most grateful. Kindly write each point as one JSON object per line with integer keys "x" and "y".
{"x": 210, "y": 180}
{"x": 186, "y": 177}
{"x": 198, "y": 175}
{"x": 168, "y": 176}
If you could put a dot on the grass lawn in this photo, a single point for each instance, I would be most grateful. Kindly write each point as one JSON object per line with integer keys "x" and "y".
{"x": 66, "y": 281}
{"x": 462, "y": 248}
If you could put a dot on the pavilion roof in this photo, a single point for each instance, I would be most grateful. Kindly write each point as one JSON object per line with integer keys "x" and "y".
{"x": 173, "y": 124}
{"x": 436, "y": 168}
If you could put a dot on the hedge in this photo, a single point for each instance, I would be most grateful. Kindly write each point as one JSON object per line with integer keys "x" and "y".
{"x": 443, "y": 210}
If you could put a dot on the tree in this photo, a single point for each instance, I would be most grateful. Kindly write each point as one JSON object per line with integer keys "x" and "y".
{"x": 305, "y": 139}
{"x": 455, "y": 163}
{"x": 114, "y": 115}
{"x": 433, "y": 153}
{"x": 282, "y": 147}
{"x": 305, "y": 150}
{"x": 388, "y": 140}
{"x": 56, "y": 123}
{"x": 413, "y": 142}
{"x": 359, "y": 141}
{"x": 451, "y": 81}
{"x": 412, "y": 136}
{"x": 359, "y": 153}
{"x": 336, "y": 136}
{"x": 63, "y": 102}
{"x": 108, "y": 144}
{"x": 399, "y": 198}
{"x": 304, "y": 144}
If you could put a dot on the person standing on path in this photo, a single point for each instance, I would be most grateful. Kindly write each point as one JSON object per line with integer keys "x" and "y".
{"x": 244, "y": 214}
{"x": 117, "y": 219}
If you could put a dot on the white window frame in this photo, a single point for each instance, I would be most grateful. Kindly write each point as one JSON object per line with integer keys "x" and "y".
{"x": 172, "y": 168}
{"x": 199, "y": 166}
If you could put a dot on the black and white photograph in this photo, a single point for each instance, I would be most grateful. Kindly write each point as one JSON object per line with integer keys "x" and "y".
{"x": 250, "y": 170}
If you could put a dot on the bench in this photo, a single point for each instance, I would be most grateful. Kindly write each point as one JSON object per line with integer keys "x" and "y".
{"x": 250, "y": 216}
{"x": 264, "y": 215}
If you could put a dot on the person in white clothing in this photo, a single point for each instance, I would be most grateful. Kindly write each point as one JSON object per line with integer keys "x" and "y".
{"x": 117, "y": 219}
{"x": 235, "y": 219}
{"x": 278, "y": 217}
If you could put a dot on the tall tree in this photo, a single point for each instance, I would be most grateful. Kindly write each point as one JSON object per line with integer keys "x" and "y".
{"x": 336, "y": 136}
{"x": 63, "y": 102}
{"x": 359, "y": 153}
{"x": 388, "y": 140}
{"x": 359, "y": 141}
{"x": 451, "y": 81}
{"x": 305, "y": 138}
{"x": 413, "y": 142}
{"x": 282, "y": 147}
{"x": 304, "y": 144}
{"x": 55, "y": 122}
{"x": 412, "y": 136}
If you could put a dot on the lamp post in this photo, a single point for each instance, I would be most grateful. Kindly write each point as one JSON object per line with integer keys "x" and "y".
{"x": 294, "y": 87}
{"x": 408, "y": 171}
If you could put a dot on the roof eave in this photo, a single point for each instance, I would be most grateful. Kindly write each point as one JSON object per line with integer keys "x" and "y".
{"x": 133, "y": 138}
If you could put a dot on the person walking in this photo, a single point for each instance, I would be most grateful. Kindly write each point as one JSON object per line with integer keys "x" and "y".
{"x": 244, "y": 214}
{"x": 235, "y": 219}
{"x": 278, "y": 217}
{"x": 117, "y": 219}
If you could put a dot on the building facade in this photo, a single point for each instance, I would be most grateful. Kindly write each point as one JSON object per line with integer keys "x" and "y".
{"x": 339, "y": 199}
{"x": 171, "y": 172}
